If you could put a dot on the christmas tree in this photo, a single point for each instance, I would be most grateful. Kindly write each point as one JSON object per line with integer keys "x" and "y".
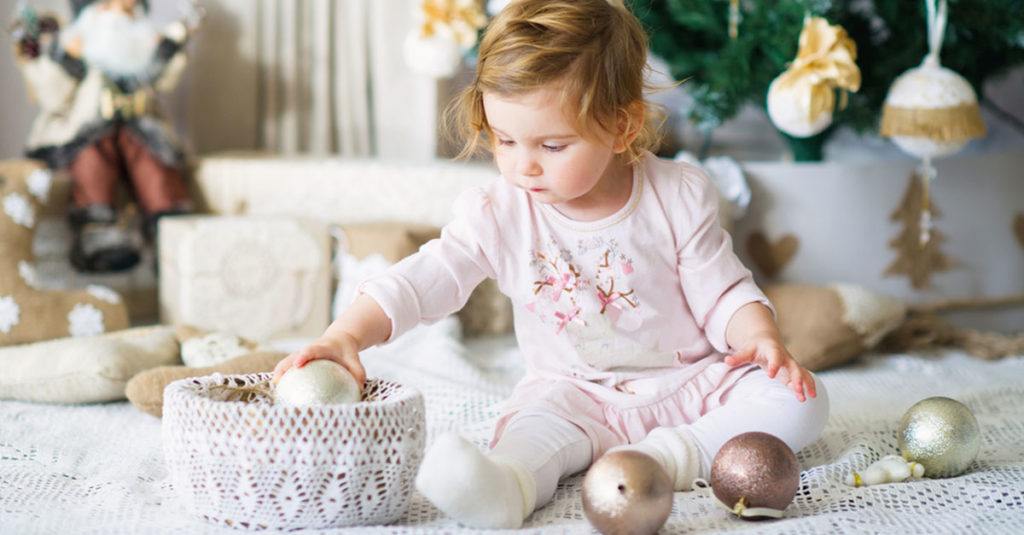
{"x": 729, "y": 51}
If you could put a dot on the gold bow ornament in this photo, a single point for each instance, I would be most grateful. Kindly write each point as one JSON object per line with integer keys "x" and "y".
{"x": 445, "y": 30}
{"x": 801, "y": 99}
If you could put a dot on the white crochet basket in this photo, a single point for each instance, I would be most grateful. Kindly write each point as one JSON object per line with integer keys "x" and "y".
{"x": 255, "y": 465}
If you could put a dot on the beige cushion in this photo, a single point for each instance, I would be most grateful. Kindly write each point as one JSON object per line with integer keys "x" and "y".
{"x": 333, "y": 189}
{"x": 84, "y": 369}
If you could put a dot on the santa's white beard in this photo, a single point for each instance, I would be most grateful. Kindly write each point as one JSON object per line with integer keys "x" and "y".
{"x": 113, "y": 42}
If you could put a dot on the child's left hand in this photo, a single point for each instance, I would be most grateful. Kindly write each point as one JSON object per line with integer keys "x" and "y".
{"x": 773, "y": 357}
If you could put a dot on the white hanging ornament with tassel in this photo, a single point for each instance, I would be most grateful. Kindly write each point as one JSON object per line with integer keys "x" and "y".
{"x": 931, "y": 111}
{"x": 801, "y": 99}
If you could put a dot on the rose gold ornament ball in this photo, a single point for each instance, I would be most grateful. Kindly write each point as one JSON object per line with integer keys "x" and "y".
{"x": 626, "y": 493}
{"x": 756, "y": 468}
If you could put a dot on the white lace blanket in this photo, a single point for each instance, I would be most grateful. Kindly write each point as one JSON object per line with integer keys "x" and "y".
{"x": 99, "y": 468}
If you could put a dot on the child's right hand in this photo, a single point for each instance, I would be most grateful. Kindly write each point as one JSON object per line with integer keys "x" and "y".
{"x": 344, "y": 350}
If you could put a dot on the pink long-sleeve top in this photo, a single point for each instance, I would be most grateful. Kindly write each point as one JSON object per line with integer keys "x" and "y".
{"x": 633, "y": 303}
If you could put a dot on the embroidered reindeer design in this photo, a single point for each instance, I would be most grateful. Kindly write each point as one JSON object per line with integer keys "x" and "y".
{"x": 610, "y": 296}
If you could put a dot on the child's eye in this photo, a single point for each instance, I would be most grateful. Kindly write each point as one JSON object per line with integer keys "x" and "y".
{"x": 553, "y": 148}
{"x": 506, "y": 142}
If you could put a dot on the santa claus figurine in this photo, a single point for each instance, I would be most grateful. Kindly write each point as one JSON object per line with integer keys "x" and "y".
{"x": 96, "y": 82}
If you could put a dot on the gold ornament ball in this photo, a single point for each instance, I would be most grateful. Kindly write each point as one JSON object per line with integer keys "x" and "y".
{"x": 940, "y": 434}
{"x": 755, "y": 469}
{"x": 627, "y": 493}
{"x": 319, "y": 382}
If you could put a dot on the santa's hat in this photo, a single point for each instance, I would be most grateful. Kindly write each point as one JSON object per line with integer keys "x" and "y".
{"x": 78, "y": 5}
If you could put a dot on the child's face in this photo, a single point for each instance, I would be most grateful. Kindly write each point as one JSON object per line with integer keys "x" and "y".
{"x": 538, "y": 149}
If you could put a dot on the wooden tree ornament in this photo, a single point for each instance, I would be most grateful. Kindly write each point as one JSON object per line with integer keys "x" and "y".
{"x": 919, "y": 244}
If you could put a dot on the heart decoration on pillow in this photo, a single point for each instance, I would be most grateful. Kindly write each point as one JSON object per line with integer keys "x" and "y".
{"x": 1018, "y": 228}
{"x": 770, "y": 257}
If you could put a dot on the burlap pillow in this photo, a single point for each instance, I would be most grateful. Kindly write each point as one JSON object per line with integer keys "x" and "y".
{"x": 825, "y": 326}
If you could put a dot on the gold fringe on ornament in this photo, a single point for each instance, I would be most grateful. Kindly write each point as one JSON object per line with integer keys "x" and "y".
{"x": 955, "y": 123}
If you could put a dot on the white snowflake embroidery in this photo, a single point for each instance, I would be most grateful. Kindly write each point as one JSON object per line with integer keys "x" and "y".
{"x": 29, "y": 275}
{"x": 85, "y": 320}
{"x": 18, "y": 207}
{"x": 10, "y": 313}
{"x": 103, "y": 293}
{"x": 39, "y": 183}
{"x": 211, "y": 350}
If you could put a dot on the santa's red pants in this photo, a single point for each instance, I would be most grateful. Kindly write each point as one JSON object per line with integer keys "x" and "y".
{"x": 98, "y": 169}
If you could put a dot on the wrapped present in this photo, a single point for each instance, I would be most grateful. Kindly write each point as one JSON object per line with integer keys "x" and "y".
{"x": 258, "y": 277}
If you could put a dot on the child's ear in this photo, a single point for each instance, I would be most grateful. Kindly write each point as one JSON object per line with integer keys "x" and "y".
{"x": 629, "y": 126}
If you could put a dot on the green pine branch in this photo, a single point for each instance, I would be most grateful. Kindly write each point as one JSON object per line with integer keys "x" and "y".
{"x": 983, "y": 39}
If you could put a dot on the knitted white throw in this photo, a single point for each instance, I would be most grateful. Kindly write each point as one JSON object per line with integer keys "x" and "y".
{"x": 99, "y": 468}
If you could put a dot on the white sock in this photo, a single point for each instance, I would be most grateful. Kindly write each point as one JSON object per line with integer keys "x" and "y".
{"x": 549, "y": 446}
{"x": 675, "y": 449}
{"x": 475, "y": 489}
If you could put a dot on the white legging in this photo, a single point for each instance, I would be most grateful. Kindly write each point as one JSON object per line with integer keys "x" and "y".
{"x": 552, "y": 447}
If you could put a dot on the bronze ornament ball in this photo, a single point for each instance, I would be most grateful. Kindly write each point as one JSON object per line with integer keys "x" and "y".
{"x": 941, "y": 434}
{"x": 755, "y": 470}
{"x": 626, "y": 493}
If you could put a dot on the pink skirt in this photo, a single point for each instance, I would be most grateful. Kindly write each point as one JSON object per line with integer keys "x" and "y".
{"x": 615, "y": 416}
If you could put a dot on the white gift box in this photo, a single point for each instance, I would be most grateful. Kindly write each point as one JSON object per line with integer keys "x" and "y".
{"x": 258, "y": 277}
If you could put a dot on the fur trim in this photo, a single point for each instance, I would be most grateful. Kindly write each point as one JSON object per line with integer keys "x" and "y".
{"x": 147, "y": 129}
{"x": 78, "y": 5}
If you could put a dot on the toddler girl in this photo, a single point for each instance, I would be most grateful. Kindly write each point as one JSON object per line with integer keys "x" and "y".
{"x": 640, "y": 327}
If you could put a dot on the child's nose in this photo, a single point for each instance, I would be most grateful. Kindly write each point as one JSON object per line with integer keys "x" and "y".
{"x": 527, "y": 165}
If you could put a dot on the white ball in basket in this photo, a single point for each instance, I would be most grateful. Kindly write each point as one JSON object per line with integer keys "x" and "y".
{"x": 319, "y": 382}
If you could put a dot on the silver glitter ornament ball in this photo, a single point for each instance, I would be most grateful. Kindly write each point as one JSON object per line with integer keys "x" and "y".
{"x": 754, "y": 470}
{"x": 626, "y": 493}
{"x": 941, "y": 434}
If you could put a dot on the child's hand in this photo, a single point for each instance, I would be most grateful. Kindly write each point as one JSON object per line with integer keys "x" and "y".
{"x": 344, "y": 350}
{"x": 773, "y": 357}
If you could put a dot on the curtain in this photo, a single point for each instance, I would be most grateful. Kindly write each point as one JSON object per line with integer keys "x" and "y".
{"x": 311, "y": 77}
{"x": 314, "y": 86}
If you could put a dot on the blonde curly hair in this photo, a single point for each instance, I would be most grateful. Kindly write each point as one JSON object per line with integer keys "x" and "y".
{"x": 593, "y": 51}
